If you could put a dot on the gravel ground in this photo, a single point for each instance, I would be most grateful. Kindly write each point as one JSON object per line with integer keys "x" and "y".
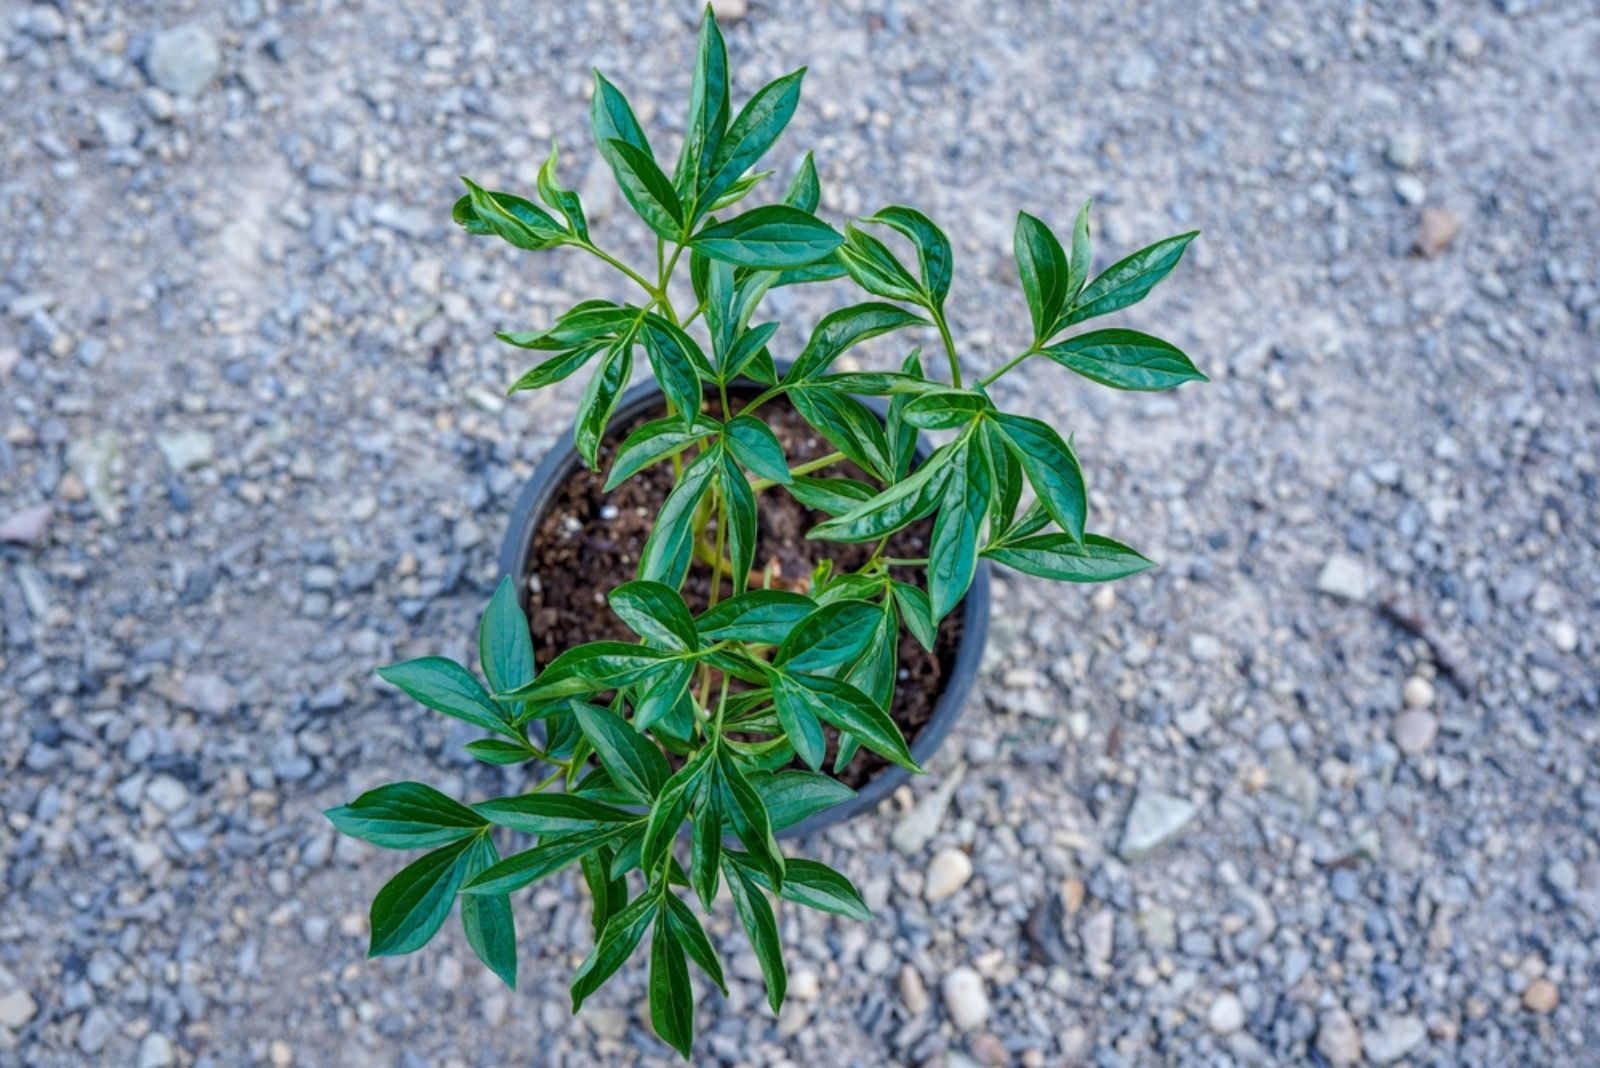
{"x": 1323, "y": 788}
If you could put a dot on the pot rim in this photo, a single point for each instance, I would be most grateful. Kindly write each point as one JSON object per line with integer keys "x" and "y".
{"x": 563, "y": 459}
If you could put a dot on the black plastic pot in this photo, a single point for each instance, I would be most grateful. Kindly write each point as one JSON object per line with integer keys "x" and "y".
{"x": 563, "y": 460}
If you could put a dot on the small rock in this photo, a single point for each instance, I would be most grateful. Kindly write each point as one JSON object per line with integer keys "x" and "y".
{"x": 1541, "y": 997}
{"x": 1409, "y": 188}
{"x": 606, "y": 1022}
{"x": 1099, "y": 940}
{"x": 1563, "y": 635}
{"x": 1338, "y": 1038}
{"x": 27, "y": 526}
{"x": 917, "y": 827}
{"x": 965, "y": 999}
{"x": 1138, "y": 71}
{"x": 186, "y": 450}
{"x": 1193, "y": 721}
{"x": 155, "y": 1051}
{"x": 45, "y": 23}
{"x": 1467, "y": 42}
{"x": 989, "y": 1050}
{"x": 167, "y": 794}
{"x": 1404, "y": 150}
{"x": 1344, "y": 577}
{"x": 1204, "y": 647}
{"x": 183, "y": 59}
{"x": 117, "y": 130}
{"x": 805, "y": 984}
{"x": 730, "y": 10}
{"x": 1393, "y": 1038}
{"x": 1414, "y": 731}
{"x": 16, "y": 1008}
{"x": 1153, "y": 820}
{"x": 97, "y": 1030}
{"x": 1436, "y": 231}
{"x": 280, "y": 1053}
{"x": 94, "y": 460}
{"x": 912, "y": 990}
{"x": 1418, "y": 692}
{"x": 209, "y": 694}
{"x": 1226, "y": 1014}
{"x": 948, "y": 872}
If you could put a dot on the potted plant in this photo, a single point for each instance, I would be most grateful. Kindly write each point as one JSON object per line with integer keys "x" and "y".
{"x": 775, "y": 541}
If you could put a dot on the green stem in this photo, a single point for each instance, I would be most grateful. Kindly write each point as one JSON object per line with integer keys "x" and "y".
{"x": 949, "y": 347}
{"x": 800, "y": 469}
{"x": 644, "y": 283}
{"x": 1009, "y": 364}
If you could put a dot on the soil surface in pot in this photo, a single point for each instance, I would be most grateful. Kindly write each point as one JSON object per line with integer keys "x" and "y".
{"x": 589, "y": 542}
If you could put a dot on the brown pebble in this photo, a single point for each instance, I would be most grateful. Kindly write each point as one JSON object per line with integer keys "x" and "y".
{"x": 1438, "y": 229}
{"x": 1541, "y": 997}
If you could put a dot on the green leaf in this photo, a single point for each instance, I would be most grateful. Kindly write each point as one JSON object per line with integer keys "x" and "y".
{"x": 804, "y": 191}
{"x": 756, "y": 128}
{"x": 897, "y": 506}
{"x": 705, "y": 848}
{"x": 445, "y": 686}
{"x": 663, "y": 698}
{"x": 496, "y": 751}
{"x": 1046, "y": 276}
{"x": 746, "y": 348}
{"x": 797, "y": 715}
{"x": 1078, "y": 273}
{"x": 600, "y": 399}
{"x": 755, "y": 445}
{"x": 708, "y": 108}
{"x": 764, "y": 617}
{"x": 817, "y": 886}
{"x": 841, "y": 329}
{"x": 755, "y": 913}
{"x": 774, "y": 236}
{"x": 413, "y": 905}
{"x": 657, "y": 614}
{"x": 876, "y": 269}
{"x": 874, "y": 670}
{"x": 647, "y": 189}
{"x": 792, "y": 796}
{"x": 405, "y": 815}
{"x": 510, "y": 218}
{"x": 917, "y": 611}
{"x": 847, "y": 708}
{"x": 686, "y": 928}
{"x": 561, "y": 366}
{"x": 552, "y": 814}
{"x": 609, "y": 896}
{"x": 880, "y": 383}
{"x": 613, "y": 120}
{"x": 850, "y": 426}
{"x": 902, "y": 435}
{"x": 616, "y": 944}
{"x": 945, "y": 410}
{"x": 593, "y": 668}
{"x": 668, "y": 550}
{"x": 1052, "y": 468}
{"x": 1008, "y": 479}
{"x": 953, "y": 552}
{"x": 934, "y": 258}
{"x": 668, "y": 811}
{"x": 739, "y": 190}
{"x": 830, "y": 639}
{"x": 834, "y": 496}
{"x": 505, "y": 645}
{"x": 739, "y": 507}
{"x": 1125, "y": 359}
{"x": 1059, "y": 557}
{"x": 553, "y": 193}
{"x": 529, "y": 866}
{"x": 671, "y": 999}
{"x": 634, "y": 762}
{"x": 1128, "y": 280}
{"x": 486, "y": 919}
{"x": 654, "y": 442}
{"x": 751, "y": 825}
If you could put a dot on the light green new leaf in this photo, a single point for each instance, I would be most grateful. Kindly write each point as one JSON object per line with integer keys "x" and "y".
{"x": 876, "y": 269}
{"x": 510, "y": 218}
{"x": 559, "y": 197}
{"x": 594, "y": 668}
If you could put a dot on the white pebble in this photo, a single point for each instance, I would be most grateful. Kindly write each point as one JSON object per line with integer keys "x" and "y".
{"x": 965, "y": 999}
{"x": 1226, "y": 1014}
{"x": 948, "y": 872}
{"x": 1418, "y": 692}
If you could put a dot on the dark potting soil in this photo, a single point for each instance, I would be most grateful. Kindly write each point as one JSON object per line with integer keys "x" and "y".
{"x": 589, "y": 542}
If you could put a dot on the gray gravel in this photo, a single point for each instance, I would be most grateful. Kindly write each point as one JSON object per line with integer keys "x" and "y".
{"x": 253, "y": 441}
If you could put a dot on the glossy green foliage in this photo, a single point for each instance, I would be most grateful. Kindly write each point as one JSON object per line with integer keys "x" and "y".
{"x": 667, "y": 764}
